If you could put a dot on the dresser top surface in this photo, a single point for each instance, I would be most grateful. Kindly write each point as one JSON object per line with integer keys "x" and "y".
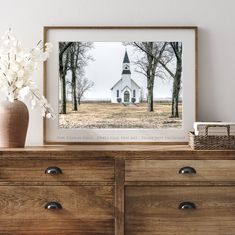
{"x": 109, "y": 148}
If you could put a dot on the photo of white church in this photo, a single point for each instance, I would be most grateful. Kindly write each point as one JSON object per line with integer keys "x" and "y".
{"x": 125, "y": 90}
{"x": 124, "y": 85}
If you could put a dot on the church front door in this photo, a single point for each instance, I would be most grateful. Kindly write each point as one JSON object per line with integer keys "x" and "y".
{"x": 126, "y": 97}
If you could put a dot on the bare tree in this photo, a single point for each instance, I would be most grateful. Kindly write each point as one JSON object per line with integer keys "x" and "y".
{"x": 152, "y": 53}
{"x": 63, "y": 68}
{"x": 78, "y": 60}
{"x": 176, "y": 51}
{"x": 74, "y": 54}
{"x": 172, "y": 51}
{"x": 83, "y": 85}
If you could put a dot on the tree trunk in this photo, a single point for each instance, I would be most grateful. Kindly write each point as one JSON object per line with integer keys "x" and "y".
{"x": 63, "y": 95}
{"x": 63, "y": 71}
{"x": 150, "y": 85}
{"x": 175, "y": 101}
{"x": 74, "y": 93}
{"x": 79, "y": 101}
{"x": 176, "y": 90}
{"x": 73, "y": 64}
{"x": 62, "y": 86}
{"x": 150, "y": 99}
{"x": 151, "y": 69}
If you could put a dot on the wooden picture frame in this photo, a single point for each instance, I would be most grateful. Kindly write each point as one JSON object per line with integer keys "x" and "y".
{"x": 56, "y": 34}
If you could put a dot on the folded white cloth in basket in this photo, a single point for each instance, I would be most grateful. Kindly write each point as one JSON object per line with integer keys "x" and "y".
{"x": 215, "y": 128}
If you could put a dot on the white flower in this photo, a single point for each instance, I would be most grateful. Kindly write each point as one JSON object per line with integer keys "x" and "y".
{"x": 48, "y": 115}
{"x": 20, "y": 73}
{"x": 33, "y": 102}
{"x": 24, "y": 92}
{"x": 16, "y": 67}
{"x": 11, "y": 97}
{"x": 19, "y": 83}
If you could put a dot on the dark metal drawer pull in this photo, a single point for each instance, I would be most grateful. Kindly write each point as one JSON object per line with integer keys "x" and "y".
{"x": 53, "y": 170}
{"x": 187, "y": 170}
{"x": 53, "y": 206}
{"x": 187, "y": 206}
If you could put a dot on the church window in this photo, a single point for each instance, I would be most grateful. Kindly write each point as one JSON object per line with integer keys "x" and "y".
{"x": 134, "y": 93}
{"x": 117, "y": 93}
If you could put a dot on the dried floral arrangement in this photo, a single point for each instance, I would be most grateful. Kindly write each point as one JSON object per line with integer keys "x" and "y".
{"x": 16, "y": 69}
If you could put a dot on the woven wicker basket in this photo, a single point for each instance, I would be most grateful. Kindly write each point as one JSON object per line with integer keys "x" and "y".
{"x": 212, "y": 142}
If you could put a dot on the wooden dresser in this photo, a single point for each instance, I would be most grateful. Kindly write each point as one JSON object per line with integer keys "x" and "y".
{"x": 117, "y": 190}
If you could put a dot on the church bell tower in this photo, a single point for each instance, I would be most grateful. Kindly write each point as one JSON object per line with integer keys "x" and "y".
{"x": 126, "y": 64}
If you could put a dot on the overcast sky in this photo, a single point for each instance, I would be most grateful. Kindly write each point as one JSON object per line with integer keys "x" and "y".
{"x": 106, "y": 70}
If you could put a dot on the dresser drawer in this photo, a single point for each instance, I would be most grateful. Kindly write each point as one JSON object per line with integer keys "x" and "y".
{"x": 85, "y": 209}
{"x": 169, "y": 210}
{"x": 57, "y": 170}
{"x": 180, "y": 170}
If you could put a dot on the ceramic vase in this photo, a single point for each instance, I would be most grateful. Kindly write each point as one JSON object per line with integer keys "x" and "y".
{"x": 14, "y": 120}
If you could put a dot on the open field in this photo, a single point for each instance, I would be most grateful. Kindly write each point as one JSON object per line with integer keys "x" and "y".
{"x": 109, "y": 115}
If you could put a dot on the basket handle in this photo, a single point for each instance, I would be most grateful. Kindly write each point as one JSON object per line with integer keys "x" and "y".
{"x": 227, "y": 126}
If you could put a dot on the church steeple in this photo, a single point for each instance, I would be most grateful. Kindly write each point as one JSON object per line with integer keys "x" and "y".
{"x": 126, "y": 64}
{"x": 126, "y": 58}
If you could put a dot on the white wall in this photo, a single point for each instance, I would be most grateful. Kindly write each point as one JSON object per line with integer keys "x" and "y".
{"x": 215, "y": 19}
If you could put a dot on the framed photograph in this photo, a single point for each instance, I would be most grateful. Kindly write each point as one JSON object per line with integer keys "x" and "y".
{"x": 121, "y": 84}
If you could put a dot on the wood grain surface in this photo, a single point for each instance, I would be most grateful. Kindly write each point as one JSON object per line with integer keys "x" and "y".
{"x": 162, "y": 152}
{"x": 168, "y": 170}
{"x": 116, "y": 189}
{"x": 32, "y": 170}
{"x": 154, "y": 211}
{"x": 86, "y": 210}
{"x": 119, "y": 196}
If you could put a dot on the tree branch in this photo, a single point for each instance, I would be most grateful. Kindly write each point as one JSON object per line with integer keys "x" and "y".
{"x": 65, "y": 48}
{"x": 166, "y": 68}
{"x": 175, "y": 50}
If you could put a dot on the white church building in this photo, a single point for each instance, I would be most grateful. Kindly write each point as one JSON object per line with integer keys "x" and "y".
{"x": 126, "y": 90}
